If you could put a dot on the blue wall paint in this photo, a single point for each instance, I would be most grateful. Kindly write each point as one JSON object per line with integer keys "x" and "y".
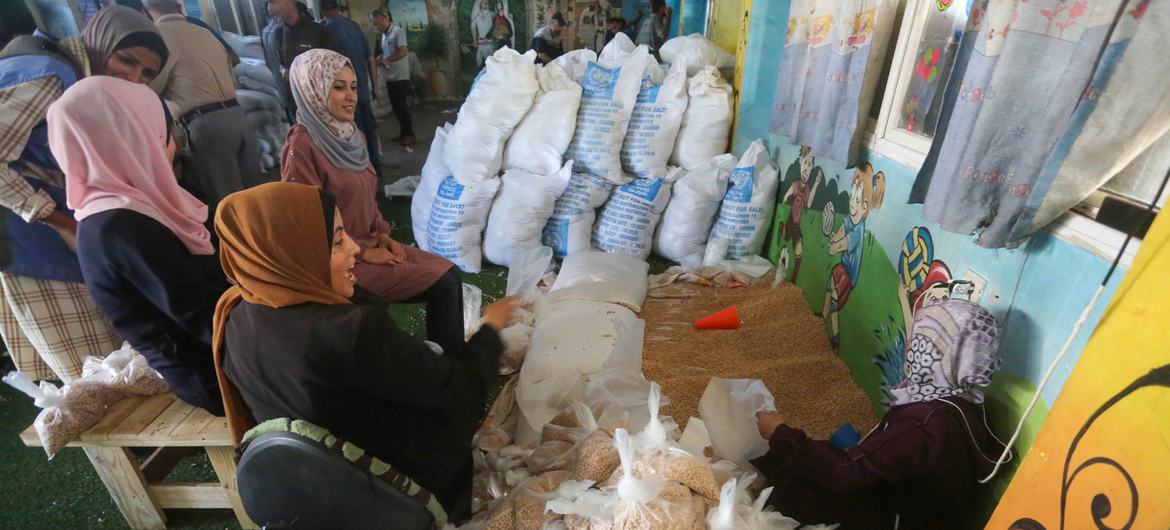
{"x": 1043, "y": 286}
{"x": 694, "y": 19}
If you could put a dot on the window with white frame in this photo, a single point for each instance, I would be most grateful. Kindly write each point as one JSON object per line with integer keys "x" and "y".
{"x": 907, "y": 105}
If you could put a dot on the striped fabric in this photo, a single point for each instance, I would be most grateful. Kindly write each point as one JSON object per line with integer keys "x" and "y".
{"x": 50, "y": 327}
{"x": 355, "y": 456}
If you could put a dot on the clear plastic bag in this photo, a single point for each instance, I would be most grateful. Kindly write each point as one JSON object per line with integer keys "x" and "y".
{"x": 69, "y": 410}
{"x": 516, "y": 339}
{"x": 618, "y": 392}
{"x": 728, "y": 408}
{"x": 553, "y": 455}
{"x": 524, "y": 507}
{"x": 762, "y": 517}
{"x": 126, "y": 371}
{"x": 582, "y": 416}
{"x": 528, "y": 267}
{"x": 472, "y": 306}
{"x": 597, "y": 457}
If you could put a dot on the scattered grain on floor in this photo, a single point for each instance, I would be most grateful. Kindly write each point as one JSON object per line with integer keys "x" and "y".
{"x": 780, "y": 342}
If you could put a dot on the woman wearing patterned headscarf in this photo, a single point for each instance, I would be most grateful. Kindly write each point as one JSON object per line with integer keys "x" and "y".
{"x": 47, "y": 319}
{"x": 325, "y": 149}
{"x": 920, "y": 465}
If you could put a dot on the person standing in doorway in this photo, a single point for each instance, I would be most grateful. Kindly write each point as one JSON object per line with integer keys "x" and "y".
{"x": 653, "y": 28}
{"x": 547, "y": 40}
{"x": 349, "y": 37}
{"x": 199, "y": 87}
{"x": 291, "y": 35}
{"x": 395, "y": 65}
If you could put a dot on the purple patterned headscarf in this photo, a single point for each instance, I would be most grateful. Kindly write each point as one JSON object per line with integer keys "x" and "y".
{"x": 952, "y": 352}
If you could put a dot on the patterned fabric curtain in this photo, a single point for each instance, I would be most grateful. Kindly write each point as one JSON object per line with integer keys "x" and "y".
{"x": 1048, "y": 100}
{"x": 829, "y": 71}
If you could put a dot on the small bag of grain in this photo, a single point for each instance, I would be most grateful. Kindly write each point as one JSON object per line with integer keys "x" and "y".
{"x": 516, "y": 339}
{"x": 491, "y": 438}
{"x": 529, "y": 498}
{"x": 680, "y": 466}
{"x": 553, "y": 455}
{"x": 597, "y": 457}
{"x": 586, "y": 424}
{"x": 69, "y": 410}
{"x": 127, "y": 371}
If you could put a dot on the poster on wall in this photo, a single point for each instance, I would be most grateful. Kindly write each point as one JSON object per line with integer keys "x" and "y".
{"x": 486, "y": 26}
{"x": 411, "y": 14}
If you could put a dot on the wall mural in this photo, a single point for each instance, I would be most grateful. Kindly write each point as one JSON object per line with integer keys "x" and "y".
{"x": 486, "y": 26}
{"x": 820, "y": 241}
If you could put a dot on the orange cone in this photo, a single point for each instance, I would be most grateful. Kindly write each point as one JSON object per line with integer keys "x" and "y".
{"x": 722, "y": 319}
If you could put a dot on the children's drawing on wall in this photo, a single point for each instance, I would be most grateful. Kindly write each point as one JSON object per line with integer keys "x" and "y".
{"x": 847, "y": 240}
{"x": 799, "y": 196}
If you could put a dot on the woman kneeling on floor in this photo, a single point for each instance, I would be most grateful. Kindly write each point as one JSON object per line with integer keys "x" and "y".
{"x": 290, "y": 344}
{"x": 325, "y": 149}
{"x": 920, "y": 465}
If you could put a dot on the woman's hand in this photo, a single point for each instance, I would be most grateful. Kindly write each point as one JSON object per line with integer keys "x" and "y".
{"x": 767, "y": 421}
{"x": 65, "y": 226}
{"x": 395, "y": 249}
{"x": 499, "y": 313}
{"x": 380, "y": 256}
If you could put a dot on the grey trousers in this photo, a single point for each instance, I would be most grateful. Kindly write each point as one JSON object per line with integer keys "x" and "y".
{"x": 223, "y": 157}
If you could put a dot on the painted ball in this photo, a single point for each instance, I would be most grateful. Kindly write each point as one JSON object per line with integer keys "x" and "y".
{"x": 914, "y": 260}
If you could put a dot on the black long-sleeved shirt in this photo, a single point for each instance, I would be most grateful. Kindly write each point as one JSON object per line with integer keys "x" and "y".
{"x": 350, "y": 369}
{"x": 157, "y": 295}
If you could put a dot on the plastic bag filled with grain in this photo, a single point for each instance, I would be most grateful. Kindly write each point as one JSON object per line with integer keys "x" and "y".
{"x": 602, "y": 277}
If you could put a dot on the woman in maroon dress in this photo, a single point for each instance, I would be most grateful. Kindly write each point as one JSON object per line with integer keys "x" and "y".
{"x": 325, "y": 149}
{"x": 918, "y": 469}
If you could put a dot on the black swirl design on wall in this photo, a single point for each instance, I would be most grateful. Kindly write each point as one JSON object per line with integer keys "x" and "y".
{"x": 1101, "y": 506}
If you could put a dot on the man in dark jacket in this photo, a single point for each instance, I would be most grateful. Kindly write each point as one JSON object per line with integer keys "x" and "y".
{"x": 290, "y": 34}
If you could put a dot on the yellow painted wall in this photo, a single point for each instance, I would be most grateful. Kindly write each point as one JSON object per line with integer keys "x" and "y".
{"x": 1105, "y": 446}
{"x": 723, "y": 26}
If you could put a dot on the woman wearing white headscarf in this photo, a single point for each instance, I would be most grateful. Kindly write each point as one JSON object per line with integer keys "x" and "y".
{"x": 325, "y": 149}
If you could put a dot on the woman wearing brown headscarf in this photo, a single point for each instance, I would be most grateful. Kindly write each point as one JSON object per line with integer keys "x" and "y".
{"x": 290, "y": 344}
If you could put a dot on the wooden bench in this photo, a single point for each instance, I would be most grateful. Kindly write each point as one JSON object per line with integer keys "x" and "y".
{"x": 176, "y": 429}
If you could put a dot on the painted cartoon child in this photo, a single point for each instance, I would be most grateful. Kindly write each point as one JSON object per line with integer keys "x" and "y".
{"x": 802, "y": 195}
{"x": 865, "y": 195}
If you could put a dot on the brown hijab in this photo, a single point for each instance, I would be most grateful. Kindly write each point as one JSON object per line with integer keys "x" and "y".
{"x": 275, "y": 245}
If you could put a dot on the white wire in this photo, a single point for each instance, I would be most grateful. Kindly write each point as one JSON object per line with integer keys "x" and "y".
{"x": 1076, "y": 330}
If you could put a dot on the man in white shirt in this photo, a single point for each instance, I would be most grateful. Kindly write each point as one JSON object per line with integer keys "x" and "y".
{"x": 394, "y": 63}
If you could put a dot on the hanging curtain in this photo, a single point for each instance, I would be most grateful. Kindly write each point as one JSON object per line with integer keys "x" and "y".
{"x": 829, "y": 71}
{"x": 1049, "y": 100}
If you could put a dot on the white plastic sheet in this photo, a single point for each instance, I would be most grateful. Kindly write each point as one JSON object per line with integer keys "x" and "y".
{"x": 602, "y": 277}
{"x": 728, "y": 408}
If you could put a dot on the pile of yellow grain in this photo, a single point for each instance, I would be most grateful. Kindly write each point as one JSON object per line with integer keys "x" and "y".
{"x": 780, "y": 342}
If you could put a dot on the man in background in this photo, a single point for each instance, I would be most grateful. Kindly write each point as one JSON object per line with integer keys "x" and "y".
{"x": 547, "y": 40}
{"x": 198, "y": 85}
{"x": 654, "y": 27}
{"x": 393, "y": 60}
{"x": 291, "y": 35}
{"x": 349, "y": 37}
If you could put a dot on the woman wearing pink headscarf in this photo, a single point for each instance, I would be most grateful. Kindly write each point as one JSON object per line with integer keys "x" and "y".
{"x": 325, "y": 149}
{"x": 147, "y": 259}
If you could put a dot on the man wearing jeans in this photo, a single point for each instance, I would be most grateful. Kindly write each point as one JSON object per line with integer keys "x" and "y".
{"x": 395, "y": 66}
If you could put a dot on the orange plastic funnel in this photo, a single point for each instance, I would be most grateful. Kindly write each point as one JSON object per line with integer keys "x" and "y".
{"x": 722, "y": 319}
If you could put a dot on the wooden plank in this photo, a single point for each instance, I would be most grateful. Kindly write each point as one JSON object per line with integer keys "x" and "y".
{"x": 200, "y": 495}
{"x": 118, "y": 471}
{"x": 147, "y": 412}
{"x": 223, "y": 460}
{"x": 114, "y": 415}
{"x": 193, "y": 424}
{"x": 167, "y": 421}
{"x": 162, "y": 461}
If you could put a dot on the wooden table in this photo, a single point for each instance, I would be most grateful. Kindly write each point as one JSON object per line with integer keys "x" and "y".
{"x": 176, "y": 429}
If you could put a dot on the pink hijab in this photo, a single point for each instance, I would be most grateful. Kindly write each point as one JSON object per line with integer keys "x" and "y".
{"x": 110, "y": 137}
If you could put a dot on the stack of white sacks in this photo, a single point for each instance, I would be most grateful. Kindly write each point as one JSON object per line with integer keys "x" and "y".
{"x": 612, "y": 152}
{"x": 259, "y": 95}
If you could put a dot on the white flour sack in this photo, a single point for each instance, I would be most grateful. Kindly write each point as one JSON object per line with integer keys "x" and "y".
{"x": 686, "y": 224}
{"x": 662, "y": 100}
{"x": 571, "y": 226}
{"x": 706, "y": 126}
{"x": 434, "y": 170}
{"x": 694, "y": 52}
{"x": 627, "y": 222}
{"x": 500, "y": 97}
{"x": 457, "y": 219}
{"x": 609, "y": 90}
{"x": 574, "y": 63}
{"x": 746, "y": 213}
{"x": 539, "y": 142}
{"x": 519, "y": 214}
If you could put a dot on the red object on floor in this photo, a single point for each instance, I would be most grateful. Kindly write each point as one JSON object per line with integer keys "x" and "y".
{"x": 722, "y": 319}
